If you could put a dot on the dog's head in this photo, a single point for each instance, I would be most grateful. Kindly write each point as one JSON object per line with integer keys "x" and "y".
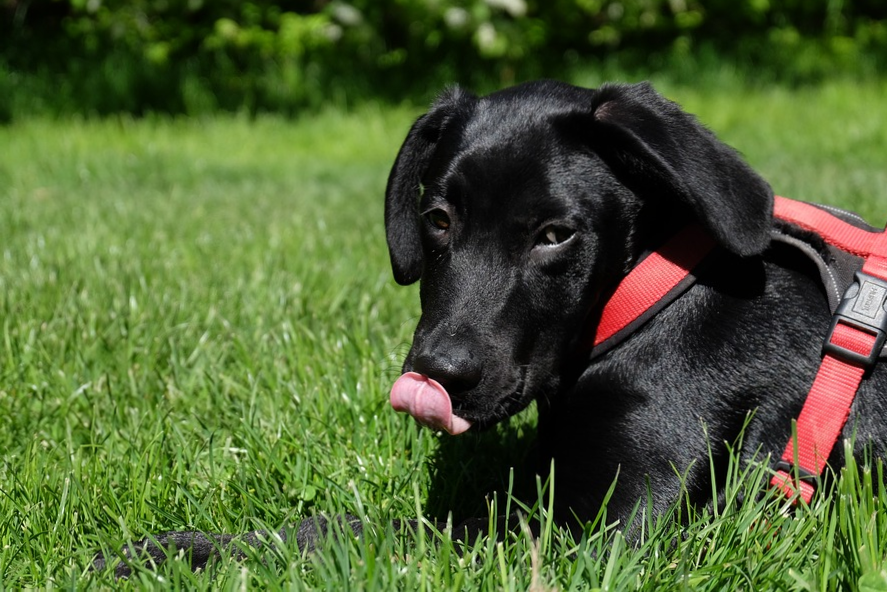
{"x": 517, "y": 210}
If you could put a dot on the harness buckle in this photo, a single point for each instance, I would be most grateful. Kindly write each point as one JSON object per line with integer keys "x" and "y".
{"x": 792, "y": 470}
{"x": 863, "y": 308}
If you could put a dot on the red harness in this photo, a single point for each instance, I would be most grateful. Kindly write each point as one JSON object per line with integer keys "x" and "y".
{"x": 852, "y": 347}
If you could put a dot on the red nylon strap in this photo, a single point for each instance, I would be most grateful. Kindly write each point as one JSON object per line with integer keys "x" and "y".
{"x": 876, "y": 264}
{"x": 824, "y": 414}
{"x": 828, "y": 404}
{"x": 652, "y": 279}
{"x": 833, "y": 230}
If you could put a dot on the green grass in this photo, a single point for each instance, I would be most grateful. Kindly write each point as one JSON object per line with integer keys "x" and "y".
{"x": 199, "y": 330}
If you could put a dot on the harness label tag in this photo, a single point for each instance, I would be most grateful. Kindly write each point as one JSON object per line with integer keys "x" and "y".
{"x": 871, "y": 297}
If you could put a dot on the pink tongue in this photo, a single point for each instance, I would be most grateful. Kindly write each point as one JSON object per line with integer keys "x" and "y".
{"x": 428, "y": 402}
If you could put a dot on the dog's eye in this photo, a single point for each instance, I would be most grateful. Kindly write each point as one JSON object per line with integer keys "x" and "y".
{"x": 438, "y": 218}
{"x": 553, "y": 235}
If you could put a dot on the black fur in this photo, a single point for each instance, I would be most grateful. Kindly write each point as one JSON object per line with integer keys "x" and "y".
{"x": 203, "y": 548}
{"x": 609, "y": 172}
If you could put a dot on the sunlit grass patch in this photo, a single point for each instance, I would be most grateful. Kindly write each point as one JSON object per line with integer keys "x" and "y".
{"x": 199, "y": 330}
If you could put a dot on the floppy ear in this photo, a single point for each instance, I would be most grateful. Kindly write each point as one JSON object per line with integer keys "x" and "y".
{"x": 662, "y": 149}
{"x": 405, "y": 180}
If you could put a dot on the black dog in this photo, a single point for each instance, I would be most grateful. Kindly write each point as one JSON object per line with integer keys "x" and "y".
{"x": 535, "y": 201}
{"x": 520, "y": 211}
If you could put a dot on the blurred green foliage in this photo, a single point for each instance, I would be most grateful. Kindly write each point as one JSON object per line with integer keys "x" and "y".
{"x": 194, "y": 56}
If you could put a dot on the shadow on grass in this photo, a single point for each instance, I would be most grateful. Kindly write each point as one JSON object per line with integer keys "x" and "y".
{"x": 467, "y": 470}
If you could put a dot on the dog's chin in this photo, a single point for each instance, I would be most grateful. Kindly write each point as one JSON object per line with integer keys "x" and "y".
{"x": 502, "y": 409}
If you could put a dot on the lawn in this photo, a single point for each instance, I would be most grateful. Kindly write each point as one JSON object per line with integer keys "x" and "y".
{"x": 199, "y": 330}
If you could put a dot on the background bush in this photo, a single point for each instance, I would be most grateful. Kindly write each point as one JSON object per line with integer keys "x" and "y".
{"x": 193, "y": 56}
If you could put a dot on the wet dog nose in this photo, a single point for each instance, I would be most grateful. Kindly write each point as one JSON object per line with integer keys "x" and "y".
{"x": 455, "y": 368}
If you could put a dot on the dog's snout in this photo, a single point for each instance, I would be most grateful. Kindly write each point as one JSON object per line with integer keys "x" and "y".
{"x": 455, "y": 368}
